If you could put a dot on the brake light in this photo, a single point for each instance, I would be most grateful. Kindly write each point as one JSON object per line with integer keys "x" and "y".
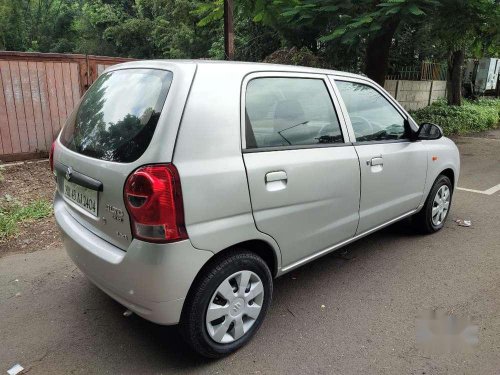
{"x": 153, "y": 198}
{"x": 51, "y": 156}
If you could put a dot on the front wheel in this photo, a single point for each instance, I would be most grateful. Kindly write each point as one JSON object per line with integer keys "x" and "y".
{"x": 432, "y": 216}
{"x": 227, "y": 304}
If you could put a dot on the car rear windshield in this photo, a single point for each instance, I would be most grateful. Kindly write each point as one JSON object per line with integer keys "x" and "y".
{"x": 118, "y": 115}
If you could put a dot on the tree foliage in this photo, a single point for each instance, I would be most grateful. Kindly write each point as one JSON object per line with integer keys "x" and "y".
{"x": 35, "y": 25}
{"x": 129, "y": 28}
{"x": 464, "y": 27}
{"x": 368, "y": 32}
{"x": 375, "y": 37}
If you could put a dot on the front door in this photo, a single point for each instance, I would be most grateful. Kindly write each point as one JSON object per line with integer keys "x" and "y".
{"x": 303, "y": 174}
{"x": 393, "y": 168}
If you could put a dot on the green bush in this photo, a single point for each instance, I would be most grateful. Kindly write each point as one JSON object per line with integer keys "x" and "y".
{"x": 472, "y": 116}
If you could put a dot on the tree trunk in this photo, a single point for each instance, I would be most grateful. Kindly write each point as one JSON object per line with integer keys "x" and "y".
{"x": 455, "y": 62}
{"x": 377, "y": 52}
{"x": 229, "y": 29}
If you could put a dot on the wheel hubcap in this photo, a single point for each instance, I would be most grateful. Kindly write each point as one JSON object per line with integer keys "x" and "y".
{"x": 440, "y": 205}
{"x": 234, "y": 307}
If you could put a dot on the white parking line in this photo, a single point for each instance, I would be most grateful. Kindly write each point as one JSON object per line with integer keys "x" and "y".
{"x": 489, "y": 191}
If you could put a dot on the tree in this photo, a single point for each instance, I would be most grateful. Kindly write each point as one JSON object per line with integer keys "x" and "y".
{"x": 129, "y": 28}
{"x": 268, "y": 14}
{"x": 35, "y": 25}
{"x": 315, "y": 24}
{"x": 142, "y": 29}
{"x": 366, "y": 21}
{"x": 461, "y": 26}
{"x": 253, "y": 40}
{"x": 414, "y": 29}
{"x": 354, "y": 35}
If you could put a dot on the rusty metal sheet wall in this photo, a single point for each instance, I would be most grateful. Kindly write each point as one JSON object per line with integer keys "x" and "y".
{"x": 37, "y": 93}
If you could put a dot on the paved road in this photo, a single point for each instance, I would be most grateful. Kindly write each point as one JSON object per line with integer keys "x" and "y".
{"x": 371, "y": 297}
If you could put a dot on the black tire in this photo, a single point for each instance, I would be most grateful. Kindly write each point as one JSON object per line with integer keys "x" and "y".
{"x": 193, "y": 326}
{"x": 423, "y": 219}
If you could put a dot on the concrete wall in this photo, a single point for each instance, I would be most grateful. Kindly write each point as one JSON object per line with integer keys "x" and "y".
{"x": 416, "y": 94}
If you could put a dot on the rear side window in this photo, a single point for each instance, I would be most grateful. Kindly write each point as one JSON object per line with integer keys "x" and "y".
{"x": 373, "y": 118}
{"x": 118, "y": 115}
{"x": 289, "y": 112}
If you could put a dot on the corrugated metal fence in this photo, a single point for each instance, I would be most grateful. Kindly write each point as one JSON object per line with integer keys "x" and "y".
{"x": 37, "y": 93}
{"x": 426, "y": 71}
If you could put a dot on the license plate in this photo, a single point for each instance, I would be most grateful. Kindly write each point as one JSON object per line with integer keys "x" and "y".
{"x": 81, "y": 196}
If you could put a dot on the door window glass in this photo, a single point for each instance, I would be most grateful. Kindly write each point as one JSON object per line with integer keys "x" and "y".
{"x": 373, "y": 118}
{"x": 289, "y": 112}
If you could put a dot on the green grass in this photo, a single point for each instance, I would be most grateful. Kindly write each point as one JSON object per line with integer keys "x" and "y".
{"x": 12, "y": 213}
{"x": 472, "y": 116}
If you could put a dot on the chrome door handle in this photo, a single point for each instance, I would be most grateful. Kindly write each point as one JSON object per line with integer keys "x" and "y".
{"x": 276, "y": 176}
{"x": 376, "y": 161}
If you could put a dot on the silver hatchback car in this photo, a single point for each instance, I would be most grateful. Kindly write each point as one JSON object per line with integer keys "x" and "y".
{"x": 185, "y": 187}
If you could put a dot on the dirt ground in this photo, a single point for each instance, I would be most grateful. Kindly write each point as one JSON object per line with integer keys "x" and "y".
{"x": 28, "y": 182}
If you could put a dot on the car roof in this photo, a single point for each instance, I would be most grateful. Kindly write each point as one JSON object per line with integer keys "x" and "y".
{"x": 250, "y": 66}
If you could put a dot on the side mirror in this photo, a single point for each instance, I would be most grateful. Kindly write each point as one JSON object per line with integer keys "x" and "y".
{"x": 429, "y": 131}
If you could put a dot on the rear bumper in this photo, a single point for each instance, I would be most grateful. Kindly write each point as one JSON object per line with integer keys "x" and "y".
{"x": 152, "y": 280}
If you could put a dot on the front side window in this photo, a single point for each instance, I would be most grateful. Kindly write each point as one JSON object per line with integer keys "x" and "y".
{"x": 118, "y": 115}
{"x": 289, "y": 112}
{"x": 373, "y": 118}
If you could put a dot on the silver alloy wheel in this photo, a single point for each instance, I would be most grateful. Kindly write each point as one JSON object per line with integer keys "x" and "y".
{"x": 234, "y": 307}
{"x": 441, "y": 205}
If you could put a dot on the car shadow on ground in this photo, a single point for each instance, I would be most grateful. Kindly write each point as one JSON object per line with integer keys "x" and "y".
{"x": 164, "y": 344}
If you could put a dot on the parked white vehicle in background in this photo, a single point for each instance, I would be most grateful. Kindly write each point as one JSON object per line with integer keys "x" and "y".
{"x": 481, "y": 75}
{"x": 185, "y": 187}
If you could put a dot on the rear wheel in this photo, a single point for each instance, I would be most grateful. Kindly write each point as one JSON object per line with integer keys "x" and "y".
{"x": 437, "y": 206}
{"x": 227, "y": 304}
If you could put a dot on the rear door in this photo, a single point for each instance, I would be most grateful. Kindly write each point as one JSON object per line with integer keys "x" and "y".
{"x": 393, "y": 168}
{"x": 128, "y": 117}
{"x": 303, "y": 173}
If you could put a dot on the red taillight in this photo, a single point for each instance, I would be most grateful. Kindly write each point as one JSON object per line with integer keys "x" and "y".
{"x": 153, "y": 198}
{"x": 51, "y": 156}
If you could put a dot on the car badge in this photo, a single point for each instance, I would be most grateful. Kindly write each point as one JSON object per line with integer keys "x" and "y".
{"x": 69, "y": 173}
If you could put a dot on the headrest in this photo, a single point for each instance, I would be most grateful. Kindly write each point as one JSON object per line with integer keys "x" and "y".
{"x": 289, "y": 110}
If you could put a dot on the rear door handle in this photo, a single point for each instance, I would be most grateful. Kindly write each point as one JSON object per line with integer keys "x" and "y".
{"x": 276, "y": 176}
{"x": 378, "y": 160}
